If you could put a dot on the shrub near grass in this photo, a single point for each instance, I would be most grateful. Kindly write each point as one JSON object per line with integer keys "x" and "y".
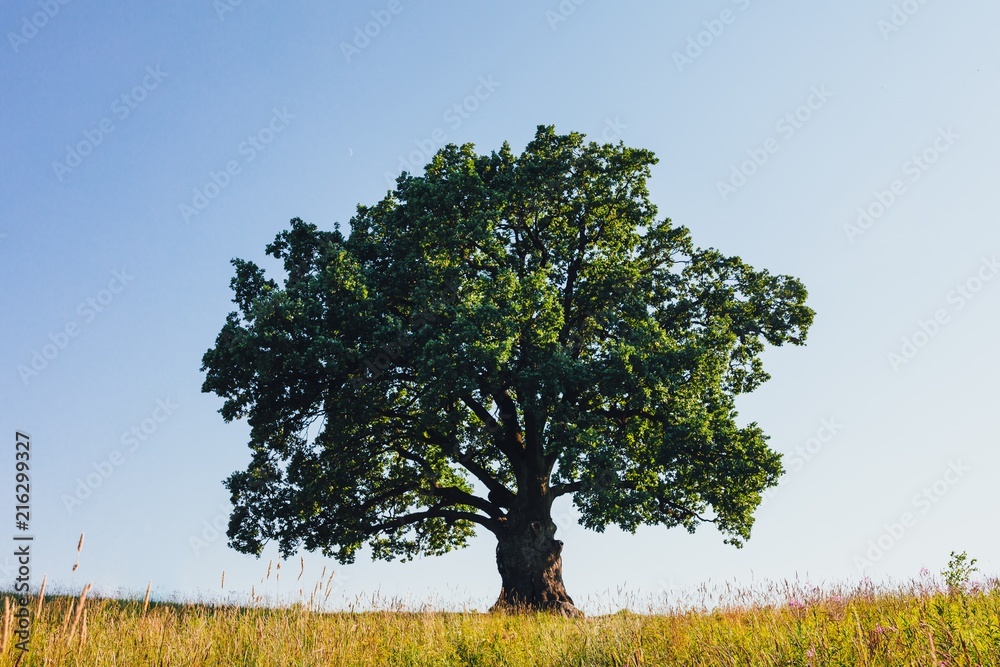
{"x": 916, "y": 624}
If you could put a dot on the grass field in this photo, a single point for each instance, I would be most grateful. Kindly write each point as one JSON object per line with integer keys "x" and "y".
{"x": 781, "y": 624}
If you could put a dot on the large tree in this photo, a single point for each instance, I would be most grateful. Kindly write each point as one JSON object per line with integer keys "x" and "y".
{"x": 496, "y": 333}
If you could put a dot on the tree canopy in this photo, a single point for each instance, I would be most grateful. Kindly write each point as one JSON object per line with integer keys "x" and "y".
{"x": 493, "y": 334}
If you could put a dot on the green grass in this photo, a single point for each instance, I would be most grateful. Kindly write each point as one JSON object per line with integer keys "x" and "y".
{"x": 915, "y": 624}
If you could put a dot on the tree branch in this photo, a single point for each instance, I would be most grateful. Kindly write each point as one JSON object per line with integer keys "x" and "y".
{"x": 571, "y": 274}
{"x": 497, "y": 490}
{"x": 394, "y": 492}
{"x": 419, "y": 460}
{"x": 456, "y": 496}
{"x": 435, "y": 513}
{"x": 563, "y": 489}
{"x": 664, "y": 503}
{"x": 515, "y": 454}
{"x": 453, "y": 494}
{"x": 478, "y": 409}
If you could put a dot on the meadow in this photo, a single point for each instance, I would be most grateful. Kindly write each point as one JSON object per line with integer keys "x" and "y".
{"x": 920, "y": 622}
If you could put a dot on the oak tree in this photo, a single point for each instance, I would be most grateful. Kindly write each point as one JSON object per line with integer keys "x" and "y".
{"x": 494, "y": 334}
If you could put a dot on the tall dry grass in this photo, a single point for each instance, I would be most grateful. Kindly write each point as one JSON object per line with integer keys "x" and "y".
{"x": 784, "y": 623}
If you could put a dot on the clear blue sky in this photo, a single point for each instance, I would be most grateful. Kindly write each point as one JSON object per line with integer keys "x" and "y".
{"x": 117, "y": 239}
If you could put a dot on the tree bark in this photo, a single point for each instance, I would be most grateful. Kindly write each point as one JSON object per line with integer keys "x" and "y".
{"x": 529, "y": 559}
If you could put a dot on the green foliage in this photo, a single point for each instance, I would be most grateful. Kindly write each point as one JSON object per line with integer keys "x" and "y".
{"x": 523, "y": 325}
{"x": 958, "y": 571}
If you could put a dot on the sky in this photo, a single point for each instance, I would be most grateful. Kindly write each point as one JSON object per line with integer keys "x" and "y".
{"x": 853, "y": 145}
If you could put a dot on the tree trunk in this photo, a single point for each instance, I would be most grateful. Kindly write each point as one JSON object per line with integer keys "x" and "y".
{"x": 529, "y": 559}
